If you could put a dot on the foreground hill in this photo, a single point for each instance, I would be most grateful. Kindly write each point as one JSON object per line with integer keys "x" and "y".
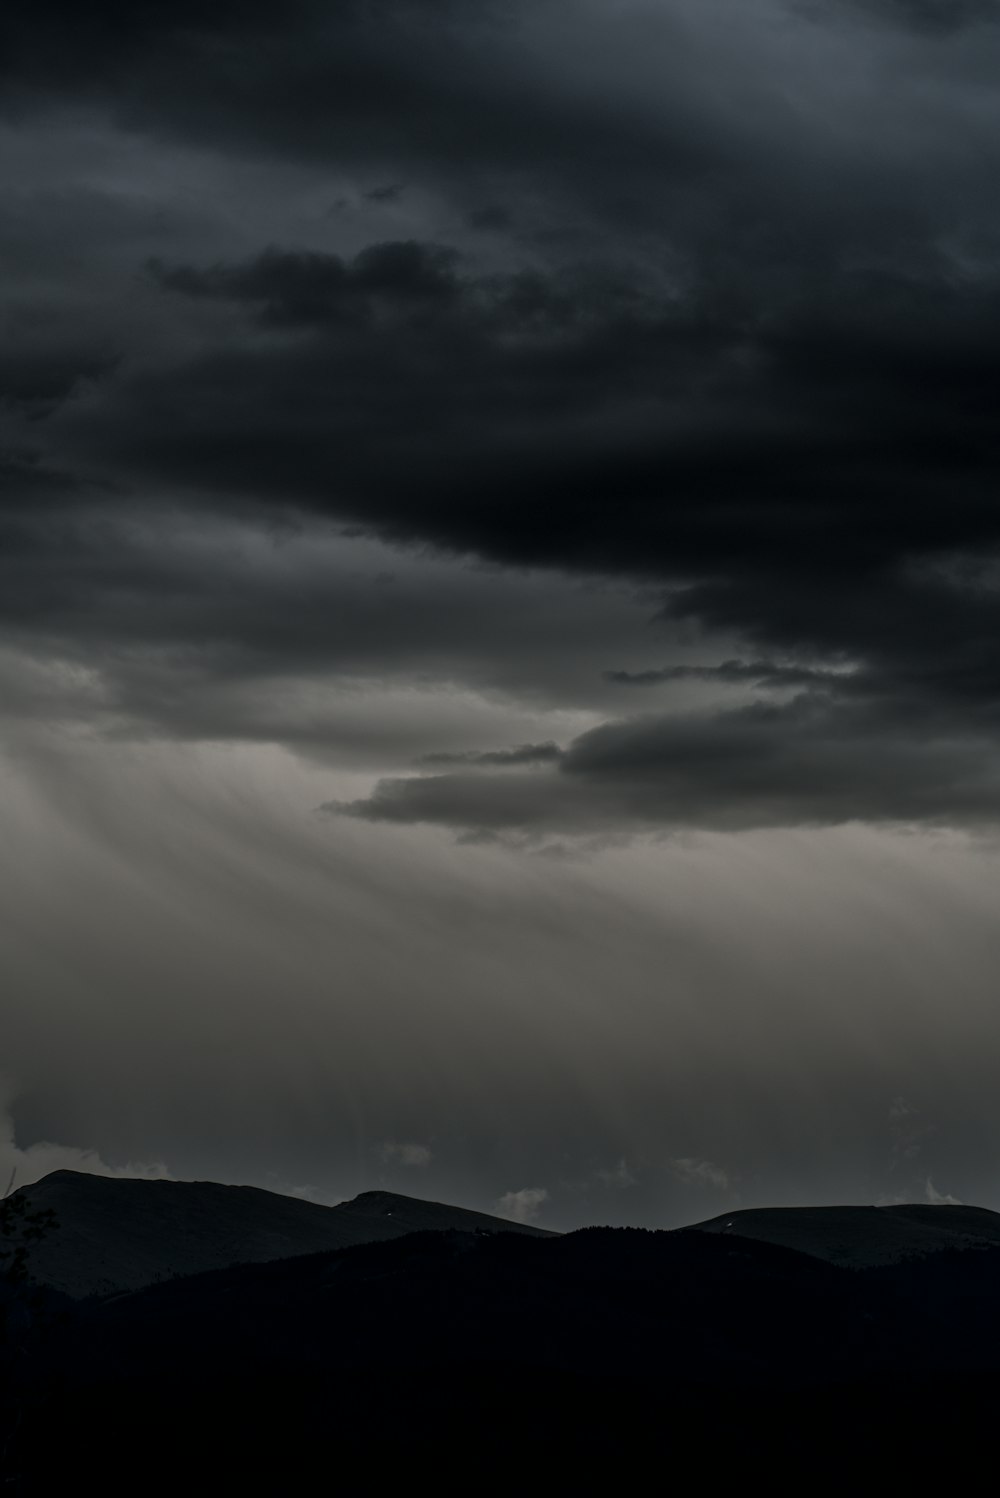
{"x": 863, "y": 1237}
{"x": 689, "y": 1305}
{"x": 474, "y": 1357}
{"x": 117, "y": 1235}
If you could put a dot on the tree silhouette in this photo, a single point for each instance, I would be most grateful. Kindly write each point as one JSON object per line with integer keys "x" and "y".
{"x": 21, "y": 1310}
{"x": 21, "y": 1225}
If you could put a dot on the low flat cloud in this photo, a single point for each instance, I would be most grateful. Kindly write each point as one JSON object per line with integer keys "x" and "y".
{"x": 810, "y": 761}
{"x": 523, "y": 754}
{"x": 729, "y": 673}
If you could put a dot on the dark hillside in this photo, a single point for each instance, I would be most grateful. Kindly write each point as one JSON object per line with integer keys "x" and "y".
{"x": 498, "y": 1357}
{"x": 114, "y": 1235}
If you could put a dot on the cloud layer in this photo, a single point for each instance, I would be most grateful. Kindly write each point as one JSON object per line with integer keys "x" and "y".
{"x": 699, "y": 299}
{"x": 559, "y": 439}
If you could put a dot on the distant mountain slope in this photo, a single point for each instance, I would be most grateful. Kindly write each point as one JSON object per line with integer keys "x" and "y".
{"x": 115, "y": 1235}
{"x": 863, "y": 1237}
{"x": 411, "y": 1214}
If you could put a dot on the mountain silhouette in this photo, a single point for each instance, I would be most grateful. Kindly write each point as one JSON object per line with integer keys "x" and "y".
{"x": 116, "y": 1234}
{"x": 864, "y": 1237}
{"x": 476, "y": 1358}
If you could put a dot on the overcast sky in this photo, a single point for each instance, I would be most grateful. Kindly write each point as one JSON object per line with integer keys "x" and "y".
{"x": 500, "y": 598}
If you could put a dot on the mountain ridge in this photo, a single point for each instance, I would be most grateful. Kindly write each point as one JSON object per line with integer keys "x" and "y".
{"x": 118, "y": 1234}
{"x": 444, "y": 1346}
{"x": 863, "y": 1237}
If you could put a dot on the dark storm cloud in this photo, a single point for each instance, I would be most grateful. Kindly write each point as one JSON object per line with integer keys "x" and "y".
{"x": 583, "y": 420}
{"x": 759, "y": 766}
{"x": 523, "y": 754}
{"x": 933, "y": 16}
{"x": 387, "y": 84}
{"x": 592, "y": 424}
{"x": 746, "y": 354}
{"x": 426, "y": 389}
{"x": 290, "y": 290}
{"x": 907, "y": 744}
{"x": 298, "y": 637}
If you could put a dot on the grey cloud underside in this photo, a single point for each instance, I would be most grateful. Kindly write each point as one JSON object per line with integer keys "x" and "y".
{"x": 731, "y": 673}
{"x": 801, "y": 763}
{"x": 700, "y": 299}
{"x": 331, "y": 645}
{"x": 523, "y": 754}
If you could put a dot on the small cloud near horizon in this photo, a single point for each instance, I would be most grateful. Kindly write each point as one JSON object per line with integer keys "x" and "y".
{"x": 23, "y": 1166}
{"x": 523, "y": 1206}
{"x": 937, "y": 1198}
{"x": 695, "y": 1172}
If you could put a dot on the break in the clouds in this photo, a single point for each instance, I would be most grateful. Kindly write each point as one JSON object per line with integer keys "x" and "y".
{"x": 543, "y": 425}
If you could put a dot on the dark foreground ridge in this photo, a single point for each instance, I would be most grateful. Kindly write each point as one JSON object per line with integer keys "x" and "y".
{"x": 491, "y": 1358}
{"x": 122, "y": 1234}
